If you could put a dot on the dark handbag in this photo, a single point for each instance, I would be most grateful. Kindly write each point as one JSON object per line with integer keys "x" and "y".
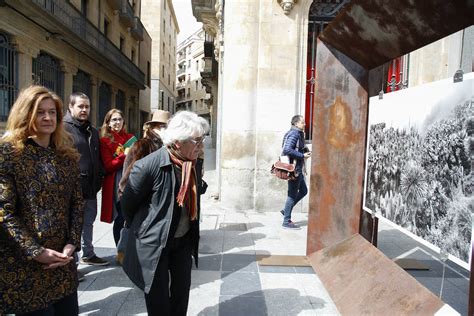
{"x": 284, "y": 171}
{"x": 203, "y": 187}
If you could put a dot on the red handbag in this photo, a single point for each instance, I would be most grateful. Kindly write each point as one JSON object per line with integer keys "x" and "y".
{"x": 284, "y": 171}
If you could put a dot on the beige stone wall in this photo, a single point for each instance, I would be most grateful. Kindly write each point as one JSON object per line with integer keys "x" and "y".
{"x": 30, "y": 40}
{"x": 117, "y": 30}
{"x": 261, "y": 91}
{"x": 436, "y": 61}
{"x": 145, "y": 60}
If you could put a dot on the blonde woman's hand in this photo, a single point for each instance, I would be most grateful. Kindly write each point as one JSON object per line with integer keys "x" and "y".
{"x": 51, "y": 258}
{"x": 68, "y": 250}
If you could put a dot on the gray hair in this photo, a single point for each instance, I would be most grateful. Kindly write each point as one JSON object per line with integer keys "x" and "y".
{"x": 183, "y": 126}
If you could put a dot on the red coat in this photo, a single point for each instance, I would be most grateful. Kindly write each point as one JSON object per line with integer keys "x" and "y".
{"x": 111, "y": 164}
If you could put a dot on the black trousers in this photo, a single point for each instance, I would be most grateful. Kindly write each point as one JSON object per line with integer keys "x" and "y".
{"x": 169, "y": 293}
{"x": 68, "y": 305}
{"x": 118, "y": 223}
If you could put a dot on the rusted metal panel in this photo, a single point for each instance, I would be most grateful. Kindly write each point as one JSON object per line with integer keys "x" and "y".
{"x": 363, "y": 281}
{"x": 339, "y": 134}
{"x": 372, "y": 32}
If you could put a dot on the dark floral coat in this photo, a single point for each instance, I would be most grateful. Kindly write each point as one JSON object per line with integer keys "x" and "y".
{"x": 40, "y": 207}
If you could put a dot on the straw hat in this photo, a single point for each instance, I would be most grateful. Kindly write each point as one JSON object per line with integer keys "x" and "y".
{"x": 160, "y": 116}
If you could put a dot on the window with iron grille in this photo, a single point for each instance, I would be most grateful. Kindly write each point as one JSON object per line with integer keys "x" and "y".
{"x": 8, "y": 76}
{"x": 105, "y": 98}
{"x": 120, "y": 100}
{"x": 106, "y": 27}
{"x": 47, "y": 72}
{"x": 81, "y": 82}
{"x": 84, "y": 7}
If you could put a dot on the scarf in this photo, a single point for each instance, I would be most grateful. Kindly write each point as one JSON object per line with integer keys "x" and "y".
{"x": 187, "y": 194}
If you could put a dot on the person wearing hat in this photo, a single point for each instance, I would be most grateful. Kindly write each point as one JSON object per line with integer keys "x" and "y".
{"x": 150, "y": 142}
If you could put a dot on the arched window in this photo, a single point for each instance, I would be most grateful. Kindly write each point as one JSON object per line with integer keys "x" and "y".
{"x": 120, "y": 101}
{"x": 81, "y": 82}
{"x": 47, "y": 72}
{"x": 8, "y": 80}
{"x": 105, "y": 98}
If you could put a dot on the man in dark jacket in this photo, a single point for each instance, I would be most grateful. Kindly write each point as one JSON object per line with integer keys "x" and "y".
{"x": 294, "y": 148}
{"x": 160, "y": 201}
{"x": 86, "y": 140}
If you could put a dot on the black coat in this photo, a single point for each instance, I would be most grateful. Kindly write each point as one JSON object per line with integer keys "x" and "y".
{"x": 86, "y": 141}
{"x": 148, "y": 203}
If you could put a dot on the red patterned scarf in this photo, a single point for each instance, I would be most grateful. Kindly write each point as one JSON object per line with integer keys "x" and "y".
{"x": 187, "y": 194}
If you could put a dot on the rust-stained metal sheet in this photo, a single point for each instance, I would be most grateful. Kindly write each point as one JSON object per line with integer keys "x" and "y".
{"x": 339, "y": 133}
{"x": 363, "y": 281}
{"x": 372, "y": 32}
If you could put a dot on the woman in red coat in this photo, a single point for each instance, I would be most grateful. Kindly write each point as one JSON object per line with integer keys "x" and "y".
{"x": 114, "y": 144}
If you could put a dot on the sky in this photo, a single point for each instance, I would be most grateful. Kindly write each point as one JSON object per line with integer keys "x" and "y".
{"x": 411, "y": 107}
{"x": 186, "y": 21}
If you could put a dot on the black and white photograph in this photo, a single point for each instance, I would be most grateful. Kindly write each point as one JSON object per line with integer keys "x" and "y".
{"x": 419, "y": 170}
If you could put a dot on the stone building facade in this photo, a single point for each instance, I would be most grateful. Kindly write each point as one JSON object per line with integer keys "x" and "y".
{"x": 192, "y": 94}
{"x": 98, "y": 47}
{"x": 441, "y": 59}
{"x": 159, "y": 19}
{"x": 266, "y": 64}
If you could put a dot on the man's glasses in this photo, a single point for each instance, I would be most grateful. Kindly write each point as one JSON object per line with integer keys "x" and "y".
{"x": 198, "y": 141}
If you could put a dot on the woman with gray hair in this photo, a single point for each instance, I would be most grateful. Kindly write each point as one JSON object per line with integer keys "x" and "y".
{"x": 160, "y": 201}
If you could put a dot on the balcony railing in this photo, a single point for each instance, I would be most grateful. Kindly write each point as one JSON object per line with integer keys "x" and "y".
{"x": 75, "y": 22}
{"x": 137, "y": 29}
{"x": 180, "y": 85}
{"x": 180, "y": 99}
{"x": 208, "y": 68}
{"x": 126, "y": 15}
{"x": 181, "y": 71}
{"x": 181, "y": 57}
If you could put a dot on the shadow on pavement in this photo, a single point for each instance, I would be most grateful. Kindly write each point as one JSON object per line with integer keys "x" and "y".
{"x": 266, "y": 302}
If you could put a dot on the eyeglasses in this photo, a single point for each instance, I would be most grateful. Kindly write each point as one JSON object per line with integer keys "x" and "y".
{"x": 198, "y": 141}
{"x": 157, "y": 125}
{"x": 116, "y": 119}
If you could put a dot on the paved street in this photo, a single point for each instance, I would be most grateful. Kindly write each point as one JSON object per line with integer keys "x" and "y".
{"x": 228, "y": 281}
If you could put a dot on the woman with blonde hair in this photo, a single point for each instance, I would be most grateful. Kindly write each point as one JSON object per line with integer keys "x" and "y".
{"x": 114, "y": 145}
{"x": 40, "y": 209}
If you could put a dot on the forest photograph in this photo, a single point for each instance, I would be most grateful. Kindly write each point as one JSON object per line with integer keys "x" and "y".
{"x": 419, "y": 165}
